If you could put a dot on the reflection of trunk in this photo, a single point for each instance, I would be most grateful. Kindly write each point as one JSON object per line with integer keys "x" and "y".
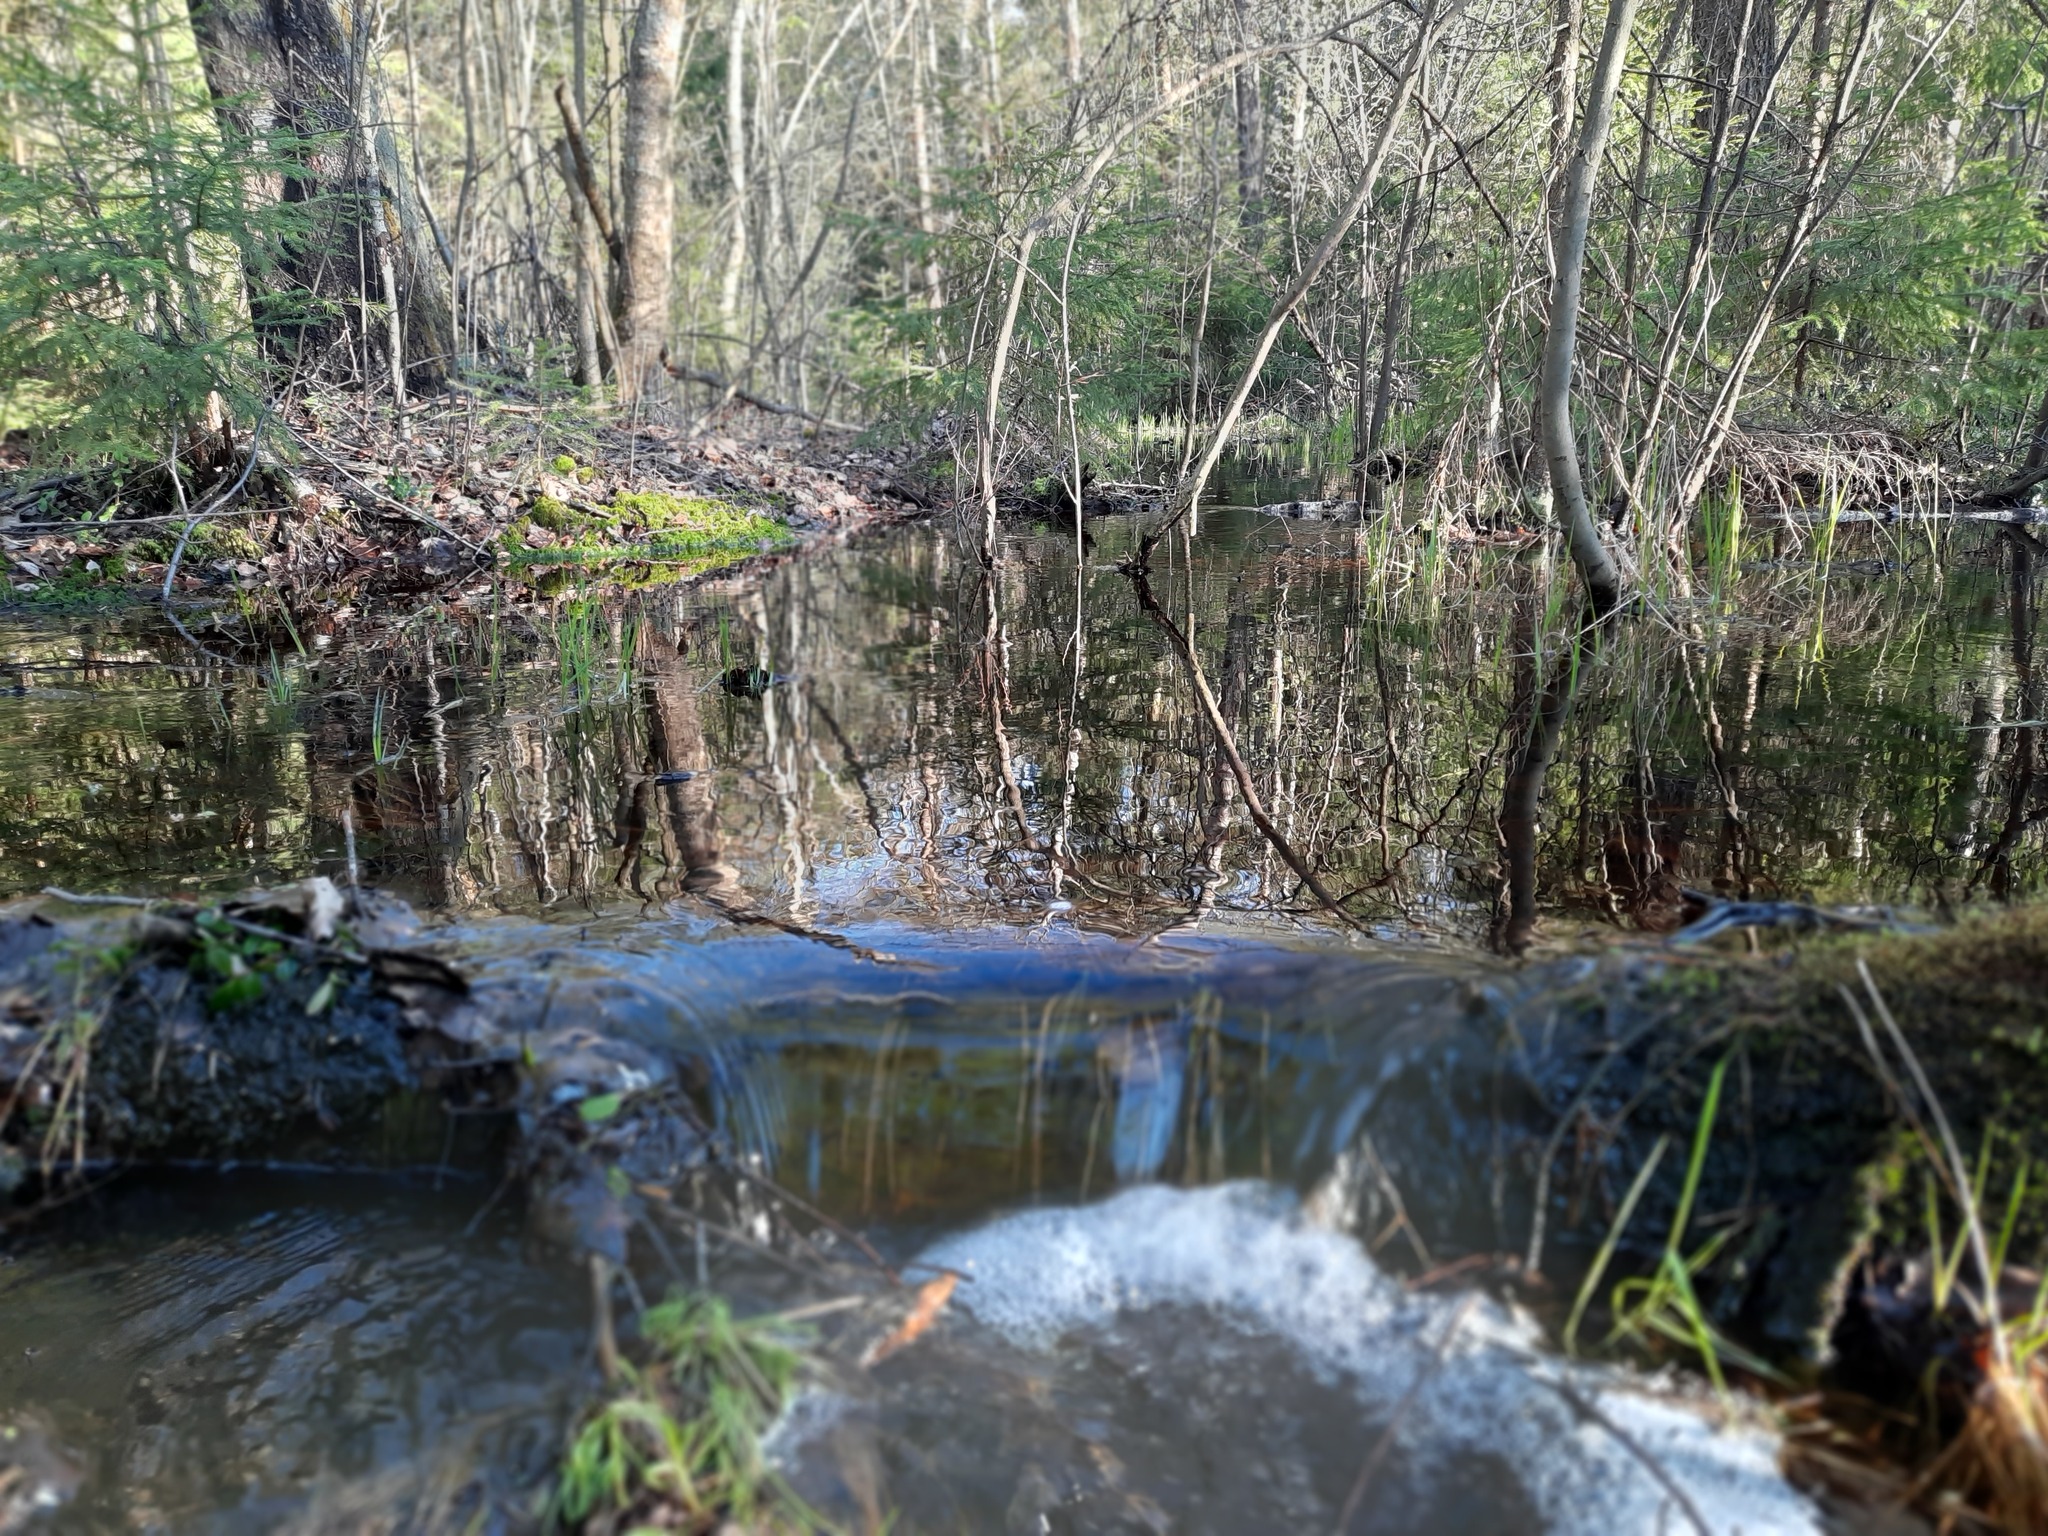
{"x": 1560, "y": 342}
{"x": 1981, "y": 742}
{"x": 675, "y": 740}
{"x": 1996, "y": 870}
{"x": 1215, "y": 781}
{"x": 649, "y": 193}
{"x": 1522, "y": 795}
{"x": 298, "y": 67}
{"x": 1227, "y": 745}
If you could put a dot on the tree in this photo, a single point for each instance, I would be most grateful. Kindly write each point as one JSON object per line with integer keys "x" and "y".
{"x": 308, "y": 71}
{"x": 1560, "y": 342}
{"x": 649, "y": 185}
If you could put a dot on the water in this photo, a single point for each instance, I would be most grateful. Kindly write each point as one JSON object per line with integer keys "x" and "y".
{"x": 1857, "y": 745}
{"x": 1077, "y": 972}
{"x": 228, "y": 1352}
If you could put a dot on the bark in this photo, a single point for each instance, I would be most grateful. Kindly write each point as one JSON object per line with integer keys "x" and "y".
{"x": 650, "y": 213}
{"x": 1251, "y": 148}
{"x": 1736, "y": 40}
{"x": 1563, "y": 77}
{"x": 921, "y": 113}
{"x": 589, "y": 365}
{"x": 736, "y": 163}
{"x": 296, "y": 67}
{"x": 1560, "y": 342}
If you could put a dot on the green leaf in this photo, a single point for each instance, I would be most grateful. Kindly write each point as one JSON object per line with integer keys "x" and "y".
{"x": 235, "y": 992}
{"x": 599, "y": 1109}
{"x": 323, "y": 998}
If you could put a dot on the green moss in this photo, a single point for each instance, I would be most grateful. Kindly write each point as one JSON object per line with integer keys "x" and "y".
{"x": 74, "y": 589}
{"x": 700, "y": 518}
{"x": 647, "y": 537}
{"x": 556, "y": 516}
{"x": 563, "y": 464}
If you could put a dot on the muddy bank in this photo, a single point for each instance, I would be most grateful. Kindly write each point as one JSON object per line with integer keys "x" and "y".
{"x": 305, "y": 1026}
{"x": 1469, "y": 1118}
{"x": 328, "y": 505}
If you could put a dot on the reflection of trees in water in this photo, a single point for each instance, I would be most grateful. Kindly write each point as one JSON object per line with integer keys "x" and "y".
{"x": 934, "y": 750}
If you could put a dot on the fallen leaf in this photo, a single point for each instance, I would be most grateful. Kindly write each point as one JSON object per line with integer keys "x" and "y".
{"x": 932, "y": 1297}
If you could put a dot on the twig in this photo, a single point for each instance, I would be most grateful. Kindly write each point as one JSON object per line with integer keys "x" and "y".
{"x": 1587, "y": 1410}
{"x": 1385, "y": 1442}
{"x": 837, "y": 1228}
{"x": 242, "y": 924}
{"x": 385, "y": 501}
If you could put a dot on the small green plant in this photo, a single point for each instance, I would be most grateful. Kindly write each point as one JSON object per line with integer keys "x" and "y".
{"x": 379, "y": 757}
{"x": 681, "y": 1432}
{"x": 1665, "y": 1303}
{"x": 280, "y": 685}
{"x": 239, "y": 963}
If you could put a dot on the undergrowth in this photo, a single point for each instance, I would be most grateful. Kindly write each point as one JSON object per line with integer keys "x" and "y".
{"x": 677, "y": 1443}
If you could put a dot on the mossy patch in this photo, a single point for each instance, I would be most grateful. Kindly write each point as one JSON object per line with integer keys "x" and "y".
{"x": 642, "y": 527}
{"x": 75, "y": 588}
{"x": 210, "y": 541}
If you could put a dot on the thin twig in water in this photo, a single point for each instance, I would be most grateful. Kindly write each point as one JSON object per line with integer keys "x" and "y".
{"x": 837, "y": 1228}
{"x": 1588, "y": 1410}
{"x": 1224, "y": 740}
{"x": 1385, "y": 1442}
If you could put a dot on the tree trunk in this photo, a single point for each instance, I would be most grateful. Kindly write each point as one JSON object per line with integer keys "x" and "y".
{"x": 1737, "y": 42}
{"x": 1249, "y": 101}
{"x": 736, "y": 170}
{"x": 650, "y": 234}
{"x": 297, "y": 67}
{"x": 1560, "y": 343}
{"x": 1373, "y": 456}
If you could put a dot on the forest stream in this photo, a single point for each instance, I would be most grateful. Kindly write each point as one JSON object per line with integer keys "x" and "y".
{"x": 930, "y": 893}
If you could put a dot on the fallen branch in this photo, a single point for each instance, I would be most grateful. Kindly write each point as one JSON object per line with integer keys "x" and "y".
{"x": 731, "y": 391}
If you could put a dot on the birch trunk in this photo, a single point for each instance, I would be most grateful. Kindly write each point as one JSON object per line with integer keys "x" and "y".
{"x": 649, "y": 183}
{"x": 1560, "y": 342}
{"x": 736, "y": 165}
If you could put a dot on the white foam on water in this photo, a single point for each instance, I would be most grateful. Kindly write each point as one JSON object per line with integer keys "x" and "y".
{"x": 1247, "y": 1253}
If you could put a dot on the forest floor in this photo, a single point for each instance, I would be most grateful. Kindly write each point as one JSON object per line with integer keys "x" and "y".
{"x": 548, "y": 493}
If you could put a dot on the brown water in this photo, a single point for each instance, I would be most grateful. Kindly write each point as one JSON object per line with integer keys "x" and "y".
{"x": 1000, "y": 781}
